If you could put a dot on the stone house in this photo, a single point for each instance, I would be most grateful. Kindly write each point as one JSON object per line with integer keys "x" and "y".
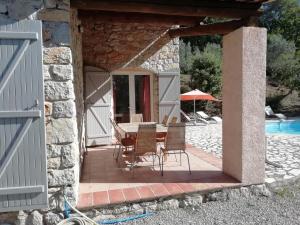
{"x": 68, "y": 66}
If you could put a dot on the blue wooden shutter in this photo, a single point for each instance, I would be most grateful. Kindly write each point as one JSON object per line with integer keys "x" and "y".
{"x": 23, "y": 175}
{"x": 169, "y": 94}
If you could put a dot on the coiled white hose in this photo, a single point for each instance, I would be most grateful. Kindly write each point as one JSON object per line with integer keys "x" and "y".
{"x": 80, "y": 220}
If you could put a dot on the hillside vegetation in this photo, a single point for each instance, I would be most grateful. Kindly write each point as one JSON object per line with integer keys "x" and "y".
{"x": 201, "y": 60}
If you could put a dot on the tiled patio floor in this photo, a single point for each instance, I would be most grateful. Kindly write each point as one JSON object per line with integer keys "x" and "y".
{"x": 104, "y": 182}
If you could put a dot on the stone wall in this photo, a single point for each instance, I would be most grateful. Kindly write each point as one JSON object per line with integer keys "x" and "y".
{"x": 191, "y": 201}
{"x": 61, "y": 73}
{"x": 165, "y": 59}
{"x": 76, "y": 46}
{"x": 112, "y": 45}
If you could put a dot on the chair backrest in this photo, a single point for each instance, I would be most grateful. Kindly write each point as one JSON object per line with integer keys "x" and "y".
{"x": 146, "y": 139}
{"x": 173, "y": 119}
{"x": 165, "y": 120}
{"x": 185, "y": 116}
{"x": 136, "y": 118}
{"x": 117, "y": 131}
{"x": 175, "y": 139}
{"x": 203, "y": 115}
{"x": 269, "y": 111}
{"x": 217, "y": 119}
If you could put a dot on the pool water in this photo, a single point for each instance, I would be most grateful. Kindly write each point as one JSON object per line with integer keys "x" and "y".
{"x": 283, "y": 127}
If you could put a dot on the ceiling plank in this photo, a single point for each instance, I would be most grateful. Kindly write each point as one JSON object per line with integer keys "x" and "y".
{"x": 114, "y": 17}
{"x": 211, "y": 29}
{"x": 176, "y": 10}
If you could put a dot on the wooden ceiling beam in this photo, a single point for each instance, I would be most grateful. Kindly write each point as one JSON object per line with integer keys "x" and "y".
{"x": 164, "y": 9}
{"x": 211, "y": 29}
{"x": 139, "y": 18}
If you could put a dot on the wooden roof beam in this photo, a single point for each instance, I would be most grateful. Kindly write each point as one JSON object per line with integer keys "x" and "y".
{"x": 210, "y": 29}
{"x": 164, "y": 9}
{"x": 102, "y": 16}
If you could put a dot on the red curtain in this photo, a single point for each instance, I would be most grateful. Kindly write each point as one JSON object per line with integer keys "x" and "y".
{"x": 146, "y": 99}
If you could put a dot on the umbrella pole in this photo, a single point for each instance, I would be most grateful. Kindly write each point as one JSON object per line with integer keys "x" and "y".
{"x": 194, "y": 110}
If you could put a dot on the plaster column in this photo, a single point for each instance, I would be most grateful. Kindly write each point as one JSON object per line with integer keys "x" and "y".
{"x": 244, "y": 87}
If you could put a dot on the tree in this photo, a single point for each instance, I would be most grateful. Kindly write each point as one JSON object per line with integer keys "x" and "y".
{"x": 283, "y": 66}
{"x": 283, "y": 17}
{"x": 201, "y": 41}
{"x": 186, "y": 55}
{"x": 206, "y": 70}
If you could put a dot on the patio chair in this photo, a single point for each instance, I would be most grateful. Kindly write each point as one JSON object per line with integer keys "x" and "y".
{"x": 207, "y": 119}
{"x": 145, "y": 143}
{"x": 161, "y": 137}
{"x": 136, "y": 118}
{"x": 165, "y": 120}
{"x": 174, "y": 144}
{"x": 269, "y": 112}
{"x": 126, "y": 142}
{"x": 173, "y": 119}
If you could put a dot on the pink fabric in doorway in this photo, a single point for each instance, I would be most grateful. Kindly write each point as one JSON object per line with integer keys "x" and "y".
{"x": 146, "y": 100}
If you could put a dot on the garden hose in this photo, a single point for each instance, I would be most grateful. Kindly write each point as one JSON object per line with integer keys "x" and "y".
{"x": 84, "y": 220}
{"x": 78, "y": 220}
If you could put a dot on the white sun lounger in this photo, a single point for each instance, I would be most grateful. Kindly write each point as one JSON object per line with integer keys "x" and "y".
{"x": 188, "y": 119}
{"x": 185, "y": 116}
{"x": 207, "y": 119}
{"x": 270, "y": 112}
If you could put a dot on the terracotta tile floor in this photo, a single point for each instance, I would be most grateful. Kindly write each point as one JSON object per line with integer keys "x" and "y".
{"x": 104, "y": 181}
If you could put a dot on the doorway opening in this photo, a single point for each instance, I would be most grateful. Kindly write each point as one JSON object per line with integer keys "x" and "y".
{"x": 132, "y": 95}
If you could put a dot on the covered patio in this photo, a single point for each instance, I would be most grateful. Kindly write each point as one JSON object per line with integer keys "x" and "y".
{"x": 108, "y": 183}
{"x": 122, "y": 36}
{"x": 61, "y": 60}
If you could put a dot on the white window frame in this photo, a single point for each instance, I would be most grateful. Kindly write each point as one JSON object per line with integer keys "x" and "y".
{"x": 132, "y": 73}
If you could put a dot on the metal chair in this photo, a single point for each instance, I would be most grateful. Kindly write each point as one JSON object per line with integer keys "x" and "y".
{"x": 125, "y": 142}
{"x": 173, "y": 119}
{"x": 165, "y": 120}
{"x": 161, "y": 137}
{"x": 174, "y": 143}
{"x": 145, "y": 143}
{"x": 135, "y": 118}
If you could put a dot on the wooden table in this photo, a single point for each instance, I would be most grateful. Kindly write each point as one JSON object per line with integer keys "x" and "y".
{"x": 132, "y": 128}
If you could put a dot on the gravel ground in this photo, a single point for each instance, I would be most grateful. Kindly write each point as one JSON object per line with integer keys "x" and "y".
{"x": 282, "y": 208}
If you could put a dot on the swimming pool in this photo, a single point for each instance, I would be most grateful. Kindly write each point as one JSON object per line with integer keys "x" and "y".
{"x": 283, "y": 127}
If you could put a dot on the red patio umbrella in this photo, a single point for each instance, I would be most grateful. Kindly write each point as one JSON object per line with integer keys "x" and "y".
{"x": 196, "y": 95}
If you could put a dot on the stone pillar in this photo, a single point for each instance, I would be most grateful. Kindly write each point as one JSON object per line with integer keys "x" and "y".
{"x": 61, "y": 95}
{"x": 244, "y": 87}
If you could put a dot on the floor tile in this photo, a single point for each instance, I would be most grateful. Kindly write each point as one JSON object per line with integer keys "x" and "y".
{"x": 85, "y": 200}
{"x": 116, "y": 196}
{"x": 159, "y": 190}
{"x": 100, "y": 198}
{"x": 186, "y": 187}
{"x": 145, "y": 192}
{"x": 131, "y": 194}
{"x": 173, "y": 188}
